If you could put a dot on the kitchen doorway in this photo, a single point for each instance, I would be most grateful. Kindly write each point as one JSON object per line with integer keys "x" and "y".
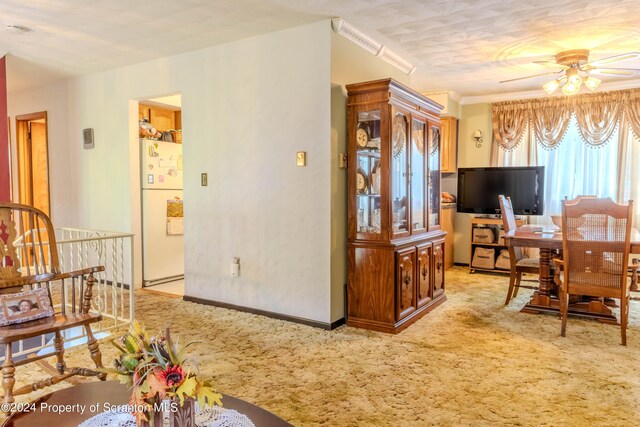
{"x": 33, "y": 160}
{"x": 161, "y": 194}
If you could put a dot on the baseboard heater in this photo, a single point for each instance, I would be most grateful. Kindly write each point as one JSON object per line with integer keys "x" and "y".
{"x": 147, "y": 283}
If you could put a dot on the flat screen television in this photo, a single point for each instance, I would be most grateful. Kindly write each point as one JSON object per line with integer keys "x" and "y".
{"x": 478, "y": 189}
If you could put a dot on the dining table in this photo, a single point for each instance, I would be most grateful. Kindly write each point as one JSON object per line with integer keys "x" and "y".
{"x": 545, "y": 298}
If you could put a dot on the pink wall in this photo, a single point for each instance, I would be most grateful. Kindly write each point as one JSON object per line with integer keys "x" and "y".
{"x": 5, "y": 183}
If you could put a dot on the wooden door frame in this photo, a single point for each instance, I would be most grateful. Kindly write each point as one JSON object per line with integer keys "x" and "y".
{"x": 10, "y": 159}
{"x": 22, "y": 123}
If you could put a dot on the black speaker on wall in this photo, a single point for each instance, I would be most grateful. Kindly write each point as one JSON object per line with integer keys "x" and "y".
{"x": 88, "y": 138}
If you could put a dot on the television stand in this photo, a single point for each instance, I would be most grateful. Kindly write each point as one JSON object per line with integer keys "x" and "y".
{"x": 490, "y": 225}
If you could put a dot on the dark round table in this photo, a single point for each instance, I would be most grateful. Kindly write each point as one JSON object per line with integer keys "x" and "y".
{"x": 99, "y": 393}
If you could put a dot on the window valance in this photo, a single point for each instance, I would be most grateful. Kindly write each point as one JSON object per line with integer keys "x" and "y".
{"x": 597, "y": 115}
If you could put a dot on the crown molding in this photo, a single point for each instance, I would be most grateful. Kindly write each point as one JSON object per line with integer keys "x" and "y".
{"x": 372, "y": 46}
{"x": 452, "y": 94}
{"x": 540, "y": 93}
{"x": 455, "y": 96}
{"x": 499, "y": 97}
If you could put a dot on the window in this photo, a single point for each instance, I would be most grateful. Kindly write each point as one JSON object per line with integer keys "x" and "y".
{"x": 576, "y": 168}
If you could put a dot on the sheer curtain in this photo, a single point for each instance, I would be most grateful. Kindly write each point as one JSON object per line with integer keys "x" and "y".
{"x": 628, "y": 187}
{"x": 574, "y": 168}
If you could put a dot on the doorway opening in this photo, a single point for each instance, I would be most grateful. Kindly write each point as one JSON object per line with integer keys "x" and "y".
{"x": 161, "y": 194}
{"x": 33, "y": 161}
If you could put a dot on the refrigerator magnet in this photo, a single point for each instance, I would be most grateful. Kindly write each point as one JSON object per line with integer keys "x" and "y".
{"x": 160, "y": 178}
{"x": 150, "y": 178}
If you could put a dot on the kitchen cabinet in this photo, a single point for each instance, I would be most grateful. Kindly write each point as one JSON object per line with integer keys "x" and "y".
{"x": 449, "y": 144}
{"x": 160, "y": 118}
{"x": 448, "y": 219}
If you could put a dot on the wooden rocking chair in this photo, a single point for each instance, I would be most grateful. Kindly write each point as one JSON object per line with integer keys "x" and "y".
{"x": 29, "y": 261}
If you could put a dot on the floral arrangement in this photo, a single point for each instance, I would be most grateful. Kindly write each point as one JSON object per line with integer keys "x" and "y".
{"x": 155, "y": 368}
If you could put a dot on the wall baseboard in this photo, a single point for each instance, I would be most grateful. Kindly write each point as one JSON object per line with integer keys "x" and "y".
{"x": 110, "y": 283}
{"x": 294, "y": 319}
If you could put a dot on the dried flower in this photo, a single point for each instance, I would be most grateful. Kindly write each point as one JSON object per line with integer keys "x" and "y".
{"x": 155, "y": 368}
{"x": 172, "y": 376}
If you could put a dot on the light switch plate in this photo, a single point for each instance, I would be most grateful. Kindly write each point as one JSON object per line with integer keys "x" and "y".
{"x": 204, "y": 180}
{"x": 301, "y": 158}
{"x": 88, "y": 140}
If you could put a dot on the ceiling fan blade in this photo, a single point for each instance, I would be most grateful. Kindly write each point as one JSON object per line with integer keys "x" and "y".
{"x": 530, "y": 77}
{"x": 552, "y": 64}
{"x": 615, "y": 71}
{"x": 615, "y": 58}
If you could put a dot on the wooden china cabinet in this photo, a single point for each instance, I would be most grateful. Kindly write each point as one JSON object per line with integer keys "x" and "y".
{"x": 395, "y": 240}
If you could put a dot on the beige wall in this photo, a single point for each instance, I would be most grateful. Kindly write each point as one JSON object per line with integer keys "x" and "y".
{"x": 451, "y": 106}
{"x": 352, "y": 64}
{"x": 474, "y": 117}
{"x": 53, "y": 99}
{"x": 248, "y": 107}
{"x": 349, "y": 64}
{"x": 338, "y": 202}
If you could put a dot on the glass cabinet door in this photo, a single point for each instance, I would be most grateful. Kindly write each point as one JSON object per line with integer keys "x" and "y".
{"x": 433, "y": 183}
{"x": 417, "y": 176}
{"x": 399, "y": 173}
{"x": 368, "y": 173}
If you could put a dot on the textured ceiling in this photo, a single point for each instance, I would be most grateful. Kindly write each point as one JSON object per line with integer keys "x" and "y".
{"x": 462, "y": 46}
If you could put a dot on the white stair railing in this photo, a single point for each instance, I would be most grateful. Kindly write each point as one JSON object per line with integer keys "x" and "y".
{"x": 112, "y": 293}
{"x": 80, "y": 248}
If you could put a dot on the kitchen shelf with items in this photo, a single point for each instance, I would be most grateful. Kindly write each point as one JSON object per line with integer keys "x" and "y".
{"x": 395, "y": 238}
{"x": 488, "y": 249}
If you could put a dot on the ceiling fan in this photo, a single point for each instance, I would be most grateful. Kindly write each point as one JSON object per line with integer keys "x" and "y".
{"x": 576, "y": 69}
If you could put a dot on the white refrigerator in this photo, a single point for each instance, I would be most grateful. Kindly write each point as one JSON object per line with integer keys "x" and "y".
{"x": 162, "y": 220}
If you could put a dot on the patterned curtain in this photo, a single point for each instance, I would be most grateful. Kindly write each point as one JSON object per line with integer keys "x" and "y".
{"x": 550, "y": 119}
{"x": 509, "y": 123}
{"x": 632, "y": 113}
{"x": 598, "y": 115}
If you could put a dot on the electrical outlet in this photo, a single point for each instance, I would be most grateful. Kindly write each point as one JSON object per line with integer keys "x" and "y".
{"x": 204, "y": 180}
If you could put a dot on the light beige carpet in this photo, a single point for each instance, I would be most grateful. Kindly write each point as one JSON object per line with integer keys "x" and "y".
{"x": 471, "y": 362}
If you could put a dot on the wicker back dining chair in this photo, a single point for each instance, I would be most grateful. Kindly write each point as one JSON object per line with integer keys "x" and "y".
{"x": 30, "y": 276}
{"x": 634, "y": 260}
{"x": 596, "y": 242}
{"x": 518, "y": 262}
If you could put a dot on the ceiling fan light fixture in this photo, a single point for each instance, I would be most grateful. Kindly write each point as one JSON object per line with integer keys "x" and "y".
{"x": 551, "y": 86}
{"x": 575, "y": 80}
{"x": 570, "y": 89}
{"x": 592, "y": 83}
{"x": 575, "y": 69}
